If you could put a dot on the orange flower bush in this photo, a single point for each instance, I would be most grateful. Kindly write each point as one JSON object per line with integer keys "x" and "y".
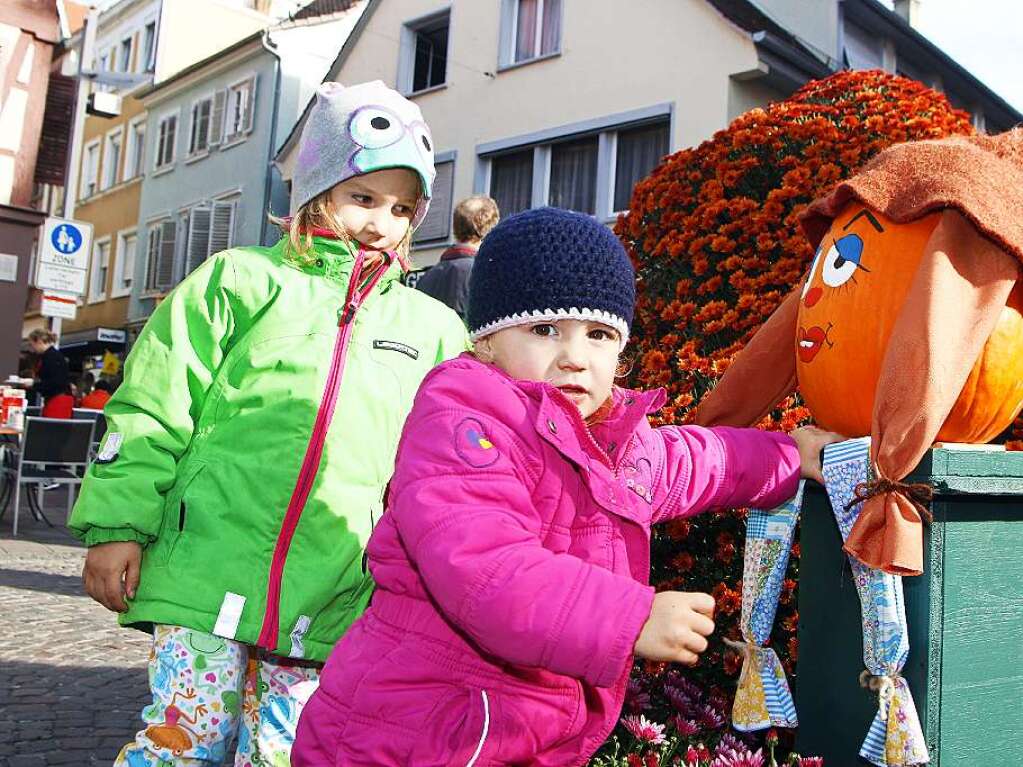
{"x": 714, "y": 234}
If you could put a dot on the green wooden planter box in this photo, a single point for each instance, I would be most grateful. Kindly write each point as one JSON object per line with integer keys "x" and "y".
{"x": 965, "y": 615}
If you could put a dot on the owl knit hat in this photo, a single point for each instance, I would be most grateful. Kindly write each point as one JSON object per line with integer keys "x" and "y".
{"x": 550, "y": 264}
{"x": 360, "y": 129}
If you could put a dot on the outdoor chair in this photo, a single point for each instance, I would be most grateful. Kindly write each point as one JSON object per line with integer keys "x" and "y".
{"x": 83, "y": 413}
{"x": 54, "y": 451}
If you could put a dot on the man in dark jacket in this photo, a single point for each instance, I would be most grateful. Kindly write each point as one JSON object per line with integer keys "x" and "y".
{"x": 448, "y": 281}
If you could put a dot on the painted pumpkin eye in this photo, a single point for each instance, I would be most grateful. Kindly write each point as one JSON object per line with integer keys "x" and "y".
{"x": 813, "y": 270}
{"x": 842, "y": 260}
{"x": 375, "y": 127}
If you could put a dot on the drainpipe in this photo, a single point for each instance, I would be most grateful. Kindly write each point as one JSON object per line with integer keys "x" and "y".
{"x": 271, "y": 48}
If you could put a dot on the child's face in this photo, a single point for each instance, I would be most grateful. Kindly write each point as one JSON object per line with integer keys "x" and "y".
{"x": 377, "y": 208}
{"x": 579, "y": 357}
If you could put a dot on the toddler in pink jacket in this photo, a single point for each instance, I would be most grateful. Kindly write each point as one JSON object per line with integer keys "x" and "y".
{"x": 512, "y": 564}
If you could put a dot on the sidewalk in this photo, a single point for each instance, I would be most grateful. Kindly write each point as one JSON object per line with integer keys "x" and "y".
{"x": 72, "y": 684}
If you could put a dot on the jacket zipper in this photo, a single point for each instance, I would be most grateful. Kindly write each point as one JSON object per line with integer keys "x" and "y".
{"x": 314, "y": 450}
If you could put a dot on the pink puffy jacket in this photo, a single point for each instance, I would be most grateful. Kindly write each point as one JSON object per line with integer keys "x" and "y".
{"x": 512, "y": 568}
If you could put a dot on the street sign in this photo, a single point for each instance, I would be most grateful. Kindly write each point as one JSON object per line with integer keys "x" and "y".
{"x": 56, "y": 304}
{"x": 64, "y": 255}
{"x": 60, "y": 278}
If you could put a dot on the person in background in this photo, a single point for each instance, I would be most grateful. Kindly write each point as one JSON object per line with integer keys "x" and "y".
{"x": 52, "y": 378}
{"x": 448, "y": 280}
{"x": 97, "y": 398}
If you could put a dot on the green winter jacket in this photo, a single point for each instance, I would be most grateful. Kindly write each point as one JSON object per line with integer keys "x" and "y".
{"x": 251, "y": 478}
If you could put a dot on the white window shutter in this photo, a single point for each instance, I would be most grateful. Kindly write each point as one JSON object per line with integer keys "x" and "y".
{"x": 165, "y": 257}
{"x": 437, "y": 223}
{"x": 198, "y": 237}
{"x": 217, "y": 121}
{"x": 222, "y": 227}
{"x": 250, "y": 108}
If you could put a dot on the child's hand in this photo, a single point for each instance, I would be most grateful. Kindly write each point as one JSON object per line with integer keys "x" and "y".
{"x": 677, "y": 627}
{"x": 112, "y": 572}
{"x": 810, "y": 440}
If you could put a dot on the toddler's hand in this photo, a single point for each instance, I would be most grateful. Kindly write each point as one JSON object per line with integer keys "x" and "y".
{"x": 810, "y": 440}
{"x": 111, "y": 572}
{"x": 677, "y": 627}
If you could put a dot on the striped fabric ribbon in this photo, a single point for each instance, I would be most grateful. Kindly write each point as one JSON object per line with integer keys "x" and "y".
{"x": 895, "y": 738}
{"x": 763, "y": 698}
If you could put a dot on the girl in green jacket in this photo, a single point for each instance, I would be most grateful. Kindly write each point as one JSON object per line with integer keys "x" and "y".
{"x": 248, "y": 449}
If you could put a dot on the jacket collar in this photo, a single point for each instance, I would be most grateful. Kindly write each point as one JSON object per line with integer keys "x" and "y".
{"x": 559, "y": 415}
{"x": 333, "y": 259}
{"x": 456, "y": 252}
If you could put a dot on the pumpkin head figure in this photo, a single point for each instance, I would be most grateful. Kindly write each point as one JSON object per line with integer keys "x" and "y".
{"x": 854, "y": 292}
{"x": 907, "y": 328}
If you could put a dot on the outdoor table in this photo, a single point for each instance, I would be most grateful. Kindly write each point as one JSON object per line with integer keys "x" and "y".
{"x": 9, "y": 440}
{"x": 965, "y": 616}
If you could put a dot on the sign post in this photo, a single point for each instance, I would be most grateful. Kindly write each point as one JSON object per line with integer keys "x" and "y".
{"x": 63, "y": 263}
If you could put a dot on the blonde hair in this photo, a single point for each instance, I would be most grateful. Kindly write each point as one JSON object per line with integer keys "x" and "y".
{"x": 42, "y": 336}
{"x": 319, "y": 213}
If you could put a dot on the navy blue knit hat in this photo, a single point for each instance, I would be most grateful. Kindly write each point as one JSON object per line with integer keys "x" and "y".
{"x": 550, "y": 264}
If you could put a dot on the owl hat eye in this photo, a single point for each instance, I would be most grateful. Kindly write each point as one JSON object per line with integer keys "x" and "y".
{"x": 375, "y": 127}
{"x": 423, "y": 139}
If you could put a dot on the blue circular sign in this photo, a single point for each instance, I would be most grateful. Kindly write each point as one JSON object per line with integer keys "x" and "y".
{"x": 66, "y": 238}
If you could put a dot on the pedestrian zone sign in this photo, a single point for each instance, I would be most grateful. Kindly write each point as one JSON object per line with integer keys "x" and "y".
{"x": 64, "y": 255}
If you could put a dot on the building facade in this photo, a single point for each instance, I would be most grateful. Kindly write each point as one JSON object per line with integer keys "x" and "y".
{"x": 29, "y": 30}
{"x": 570, "y": 102}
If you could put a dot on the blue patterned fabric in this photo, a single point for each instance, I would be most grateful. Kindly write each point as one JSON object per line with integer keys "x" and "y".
{"x": 763, "y": 698}
{"x": 895, "y": 737}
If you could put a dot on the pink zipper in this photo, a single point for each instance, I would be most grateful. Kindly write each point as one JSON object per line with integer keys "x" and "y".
{"x": 314, "y": 451}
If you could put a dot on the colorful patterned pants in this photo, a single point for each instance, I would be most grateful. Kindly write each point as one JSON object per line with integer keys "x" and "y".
{"x": 209, "y": 692}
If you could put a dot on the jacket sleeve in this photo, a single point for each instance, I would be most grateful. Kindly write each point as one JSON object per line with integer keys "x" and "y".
{"x": 152, "y": 416}
{"x": 724, "y": 468}
{"x": 463, "y": 508}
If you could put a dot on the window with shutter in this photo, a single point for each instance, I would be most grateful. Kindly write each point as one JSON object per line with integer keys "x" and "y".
{"x": 165, "y": 141}
{"x": 437, "y": 223}
{"x": 250, "y": 106}
{"x": 165, "y": 257}
{"x": 217, "y": 121}
{"x": 240, "y": 103}
{"x": 222, "y": 227}
{"x": 152, "y": 257}
{"x": 199, "y": 221}
{"x": 199, "y": 138}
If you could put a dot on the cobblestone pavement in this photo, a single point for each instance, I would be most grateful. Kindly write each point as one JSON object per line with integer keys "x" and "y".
{"x": 72, "y": 684}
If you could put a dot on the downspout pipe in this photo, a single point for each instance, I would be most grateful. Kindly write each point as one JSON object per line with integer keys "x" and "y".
{"x": 271, "y": 48}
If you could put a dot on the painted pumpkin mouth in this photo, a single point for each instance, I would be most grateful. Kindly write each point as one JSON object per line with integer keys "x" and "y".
{"x": 811, "y": 341}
